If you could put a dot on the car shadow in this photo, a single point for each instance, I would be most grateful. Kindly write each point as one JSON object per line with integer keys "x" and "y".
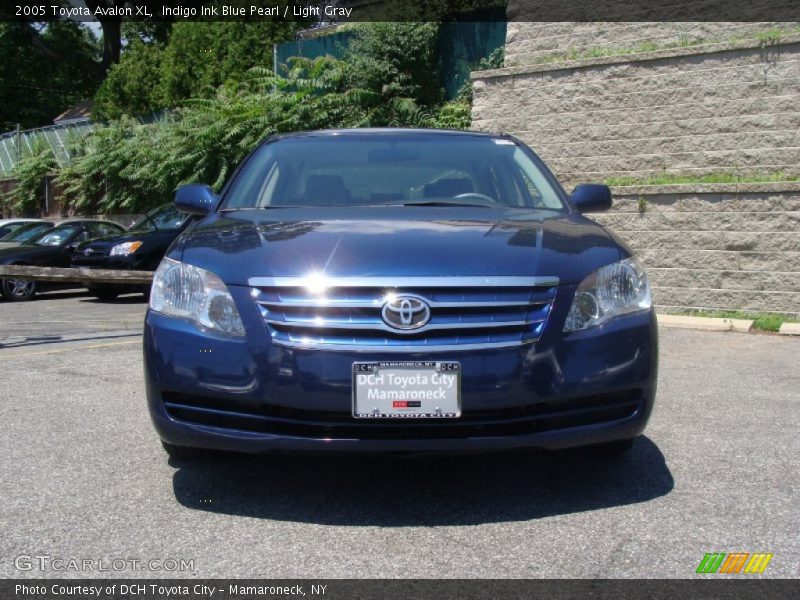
{"x": 393, "y": 491}
{"x": 40, "y": 340}
{"x": 132, "y": 298}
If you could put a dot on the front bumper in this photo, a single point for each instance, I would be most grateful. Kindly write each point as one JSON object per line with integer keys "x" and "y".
{"x": 247, "y": 394}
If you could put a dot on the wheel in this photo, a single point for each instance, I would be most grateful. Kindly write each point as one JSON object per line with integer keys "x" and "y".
{"x": 183, "y": 452}
{"x": 615, "y": 448}
{"x": 102, "y": 293}
{"x": 16, "y": 290}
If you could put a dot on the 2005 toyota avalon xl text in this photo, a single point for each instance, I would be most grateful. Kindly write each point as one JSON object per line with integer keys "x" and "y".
{"x": 397, "y": 290}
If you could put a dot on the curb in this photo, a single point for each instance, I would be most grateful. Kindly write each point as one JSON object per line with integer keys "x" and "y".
{"x": 705, "y": 323}
{"x": 790, "y": 329}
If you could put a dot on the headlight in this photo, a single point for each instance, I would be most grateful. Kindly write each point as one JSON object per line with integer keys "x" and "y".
{"x": 610, "y": 291}
{"x": 125, "y": 249}
{"x": 193, "y": 293}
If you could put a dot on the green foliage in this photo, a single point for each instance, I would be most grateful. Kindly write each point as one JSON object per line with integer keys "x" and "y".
{"x": 453, "y": 115}
{"x": 198, "y": 58}
{"x": 28, "y": 195}
{"x": 672, "y": 179}
{"x": 389, "y": 78}
{"x": 397, "y": 60}
{"x": 494, "y": 61}
{"x": 761, "y": 321}
{"x": 134, "y": 85}
{"x": 137, "y": 166}
{"x": 201, "y": 56}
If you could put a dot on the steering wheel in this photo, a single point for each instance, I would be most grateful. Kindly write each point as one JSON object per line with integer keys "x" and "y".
{"x": 476, "y": 195}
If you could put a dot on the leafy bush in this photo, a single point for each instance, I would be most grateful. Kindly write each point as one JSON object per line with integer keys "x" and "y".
{"x": 453, "y": 115}
{"x": 136, "y": 166}
{"x": 199, "y": 57}
{"x": 134, "y": 85}
{"x": 397, "y": 60}
{"x": 30, "y": 172}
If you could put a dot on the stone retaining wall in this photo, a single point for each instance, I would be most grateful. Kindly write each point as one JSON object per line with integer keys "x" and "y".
{"x": 529, "y": 44}
{"x": 723, "y": 108}
{"x": 714, "y": 246}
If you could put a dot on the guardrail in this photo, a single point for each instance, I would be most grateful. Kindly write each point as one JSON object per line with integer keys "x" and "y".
{"x": 75, "y": 274}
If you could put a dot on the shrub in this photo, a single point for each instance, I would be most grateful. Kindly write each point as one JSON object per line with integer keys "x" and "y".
{"x": 28, "y": 195}
{"x": 137, "y": 166}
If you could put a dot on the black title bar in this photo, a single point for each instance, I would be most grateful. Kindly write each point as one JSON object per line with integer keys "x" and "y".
{"x": 396, "y": 589}
{"x": 328, "y": 12}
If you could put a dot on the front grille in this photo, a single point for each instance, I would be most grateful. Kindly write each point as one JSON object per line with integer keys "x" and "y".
{"x": 520, "y": 420}
{"x": 345, "y": 313}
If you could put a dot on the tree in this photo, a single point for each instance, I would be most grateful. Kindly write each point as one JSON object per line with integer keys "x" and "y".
{"x": 49, "y": 67}
{"x": 134, "y": 85}
{"x": 201, "y": 56}
{"x": 397, "y": 60}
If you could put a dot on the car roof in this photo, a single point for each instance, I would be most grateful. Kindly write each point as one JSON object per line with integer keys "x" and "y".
{"x": 71, "y": 221}
{"x": 7, "y": 221}
{"x": 399, "y": 131}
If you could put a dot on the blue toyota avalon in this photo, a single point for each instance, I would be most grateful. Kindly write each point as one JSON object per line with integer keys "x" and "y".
{"x": 397, "y": 290}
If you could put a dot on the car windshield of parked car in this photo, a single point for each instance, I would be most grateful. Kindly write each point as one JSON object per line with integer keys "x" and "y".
{"x": 56, "y": 236}
{"x": 27, "y": 232}
{"x": 163, "y": 218}
{"x": 391, "y": 169}
{"x": 9, "y": 228}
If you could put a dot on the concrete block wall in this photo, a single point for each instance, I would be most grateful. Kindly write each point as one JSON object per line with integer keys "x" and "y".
{"x": 729, "y": 107}
{"x": 529, "y": 44}
{"x": 715, "y": 246}
{"x": 725, "y": 108}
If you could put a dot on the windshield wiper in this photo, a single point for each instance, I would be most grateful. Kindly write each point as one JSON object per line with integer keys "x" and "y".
{"x": 267, "y": 207}
{"x": 445, "y": 202}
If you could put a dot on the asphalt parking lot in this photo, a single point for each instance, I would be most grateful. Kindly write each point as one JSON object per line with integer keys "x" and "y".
{"x": 85, "y": 477}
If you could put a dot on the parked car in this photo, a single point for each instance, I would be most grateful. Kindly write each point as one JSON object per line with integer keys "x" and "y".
{"x": 9, "y": 225}
{"x": 25, "y": 232}
{"x": 397, "y": 290}
{"x": 140, "y": 248}
{"x": 51, "y": 248}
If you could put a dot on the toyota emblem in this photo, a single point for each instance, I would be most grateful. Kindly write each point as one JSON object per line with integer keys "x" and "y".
{"x": 406, "y": 312}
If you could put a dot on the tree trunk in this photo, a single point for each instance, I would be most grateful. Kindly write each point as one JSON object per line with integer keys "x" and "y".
{"x": 112, "y": 44}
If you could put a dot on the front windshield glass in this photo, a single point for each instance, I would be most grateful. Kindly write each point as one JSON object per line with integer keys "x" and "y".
{"x": 162, "y": 218}
{"x": 56, "y": 236}
{"x": 384, "y": 169}
{"x": 26, "y": 232}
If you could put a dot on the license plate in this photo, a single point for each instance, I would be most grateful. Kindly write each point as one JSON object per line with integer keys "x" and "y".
{"x": 407, "y": 390}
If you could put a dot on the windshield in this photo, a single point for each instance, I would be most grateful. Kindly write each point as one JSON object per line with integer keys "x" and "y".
{"x": 391, "y": 169}
{"x": 56, "y": 236}
{"x": 162, "y": 218}
{"x": 26, "y": 232}
{"x": 8, "y": 228}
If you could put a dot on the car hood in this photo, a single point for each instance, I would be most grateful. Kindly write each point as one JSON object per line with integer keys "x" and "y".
{"x": 398, "y": 241}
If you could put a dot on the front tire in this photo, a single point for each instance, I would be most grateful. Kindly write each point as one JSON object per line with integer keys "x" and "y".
{"x": 17, "y": 290}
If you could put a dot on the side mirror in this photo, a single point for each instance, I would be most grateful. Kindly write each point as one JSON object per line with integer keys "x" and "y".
{"x": 195, "y": 199}
{"x": 591, "y": 197}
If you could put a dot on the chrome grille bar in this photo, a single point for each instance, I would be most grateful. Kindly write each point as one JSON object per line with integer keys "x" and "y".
{"x": 403, "y": 282}
{"x": 345, "y": 313}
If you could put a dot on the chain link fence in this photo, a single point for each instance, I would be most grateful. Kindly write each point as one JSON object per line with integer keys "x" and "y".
{"x": 60, "y": 138}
